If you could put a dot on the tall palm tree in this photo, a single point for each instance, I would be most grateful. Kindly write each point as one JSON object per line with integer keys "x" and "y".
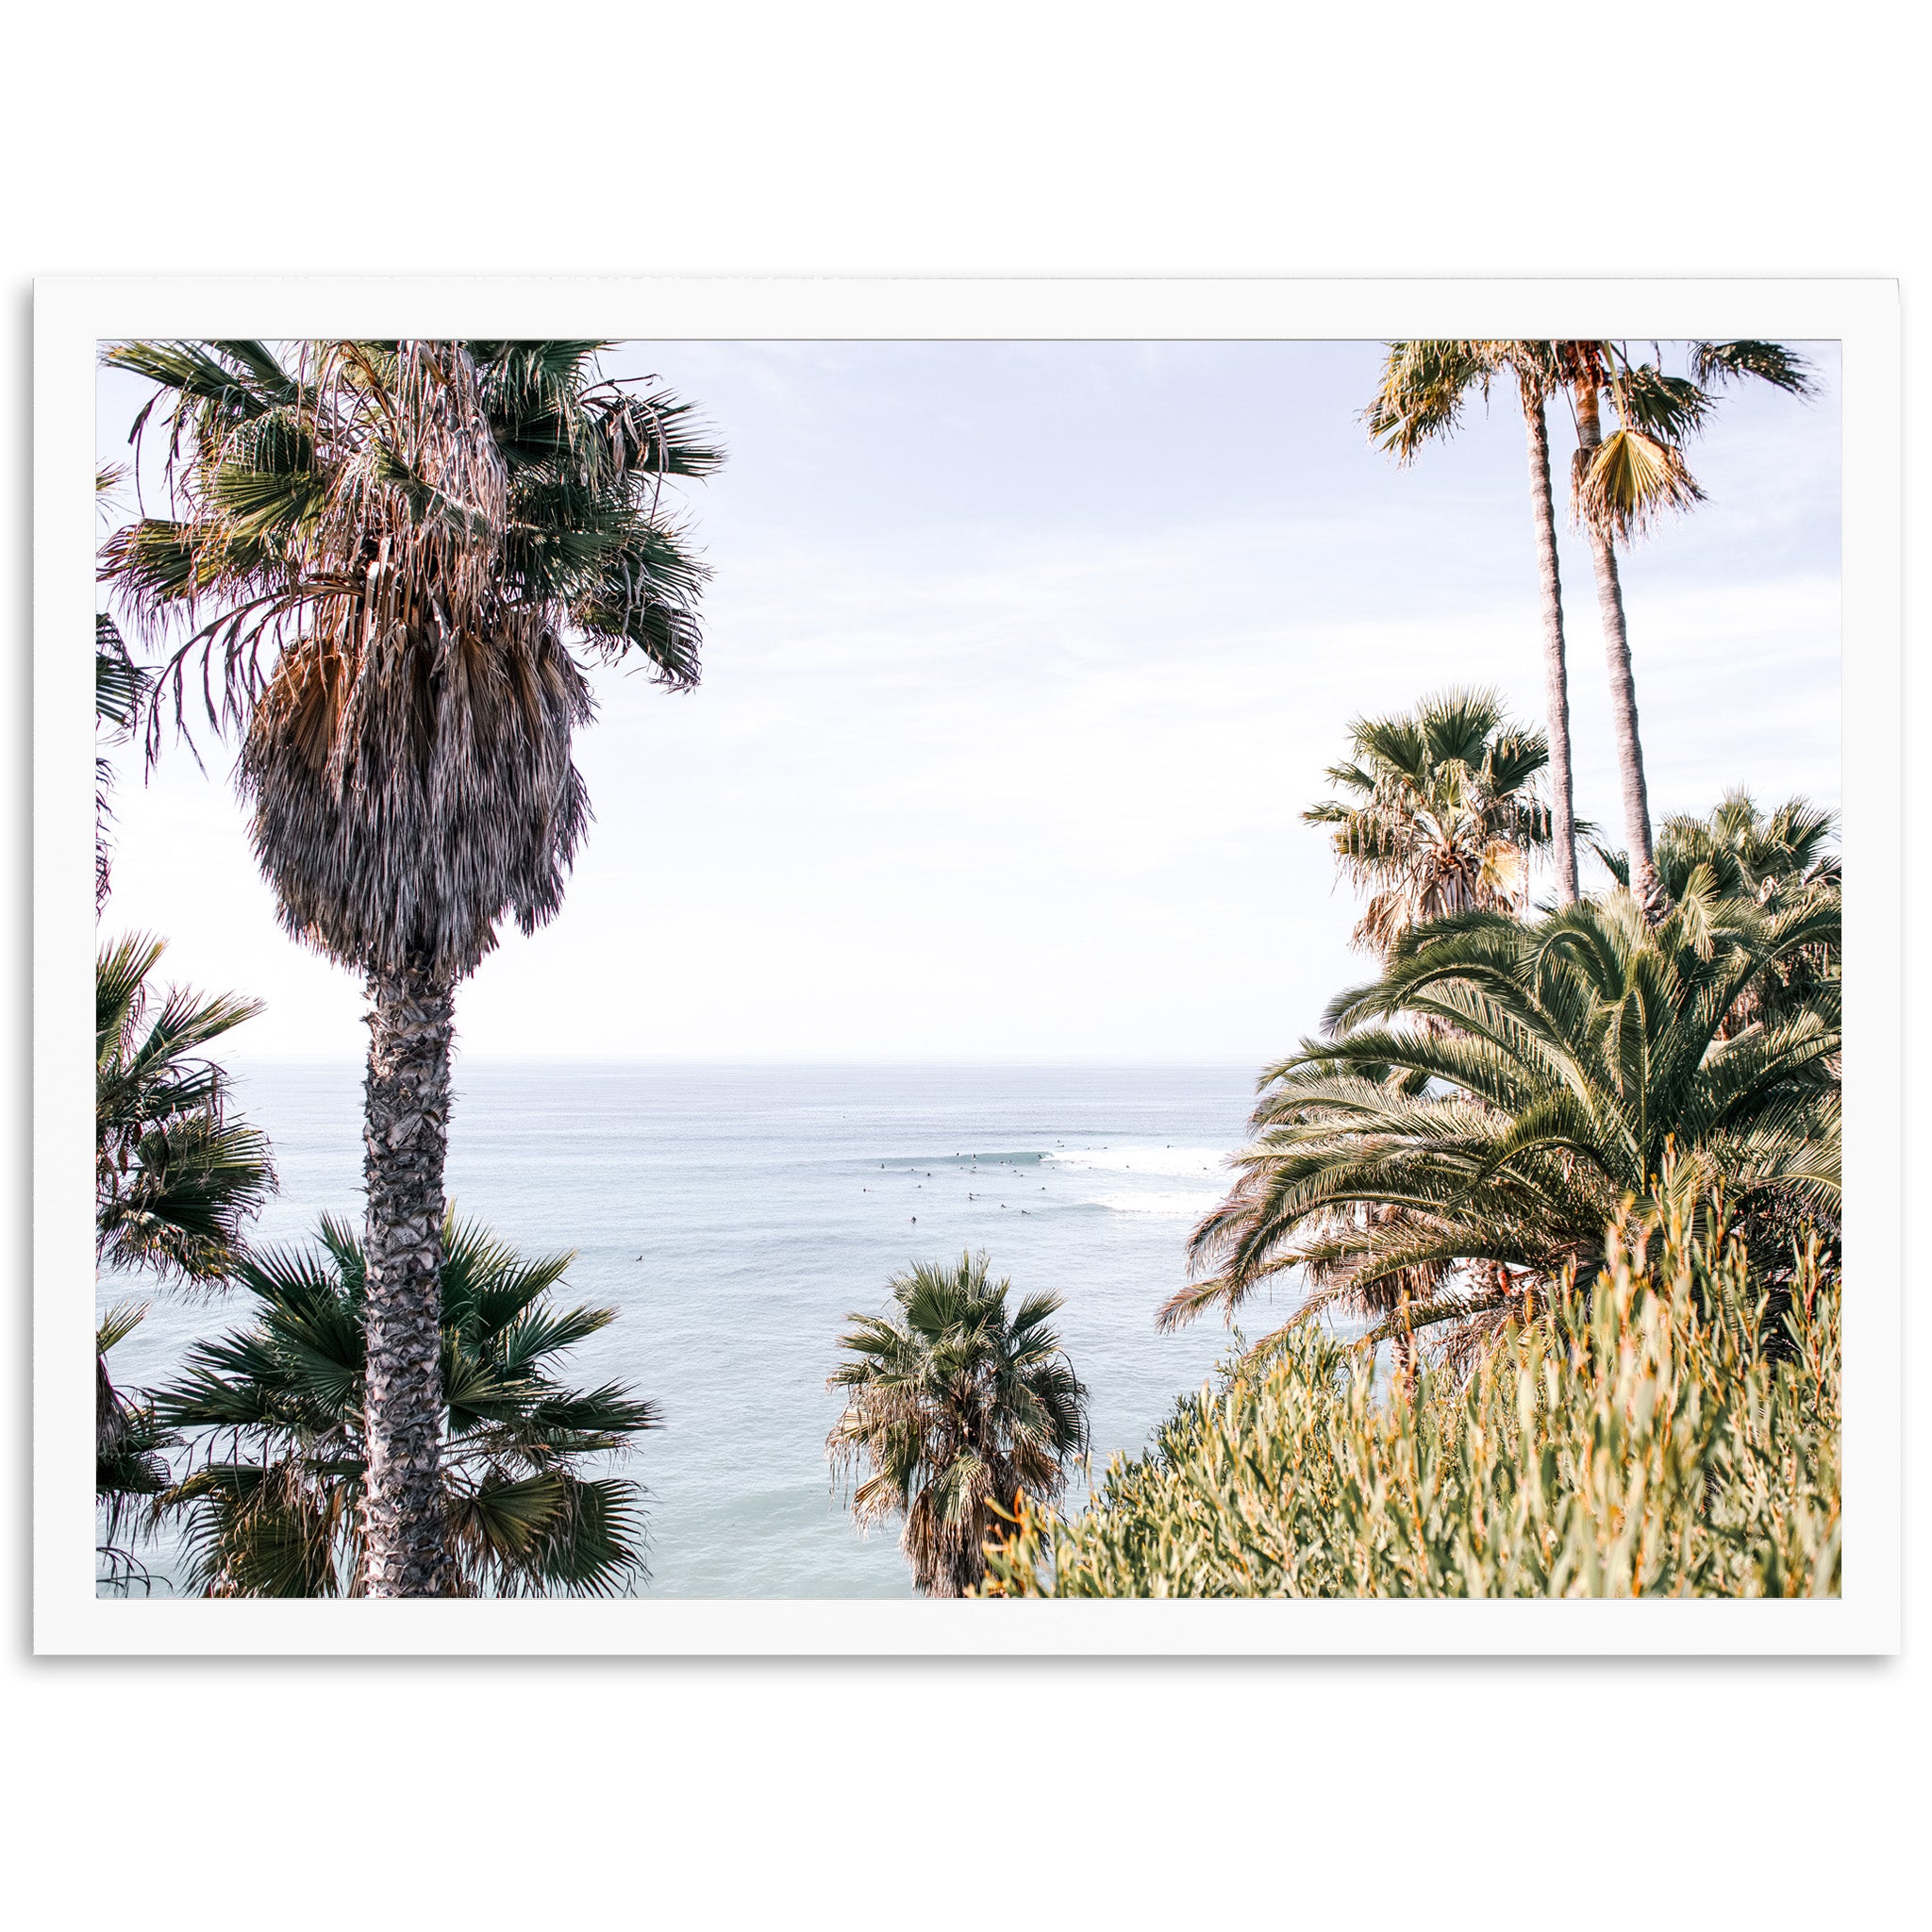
{"x": 389, "y": 554}
{"x": 1505, "y": 1086}
{"x": 1425, "y": 387}
{"x": 954, "y": 1405}
{"x": 1620, "y": 482}
{"x": 277, "y": 1408}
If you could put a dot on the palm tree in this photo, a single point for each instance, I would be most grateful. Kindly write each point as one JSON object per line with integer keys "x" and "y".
{"x": 119, "y": 688}
{"x": 176, "y": 1178}
{"x": 1505, "y": 1086}
{"x": 175, "y": 1181}
{"x": 1441, "y": 812}
{"x": 1441, "y": 816}
{"x": 1753, "y": 854}
{"x": 1766, "y": 857}
{"x": 273, "y": 1506}
{"x": 390, "y": 553}
{"x": 1425, "y": 387}
{"x": 953, "y": 1406}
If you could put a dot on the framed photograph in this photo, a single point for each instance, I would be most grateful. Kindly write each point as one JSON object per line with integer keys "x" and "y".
{"x": 921, "y": 966}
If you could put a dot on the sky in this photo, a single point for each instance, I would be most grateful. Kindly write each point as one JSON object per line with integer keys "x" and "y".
{"x": 1023, "y": 661}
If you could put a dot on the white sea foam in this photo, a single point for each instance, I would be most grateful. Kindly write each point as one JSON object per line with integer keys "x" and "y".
{"x": 1181, "y": 1207}
{"x": 1202, "y": 1163}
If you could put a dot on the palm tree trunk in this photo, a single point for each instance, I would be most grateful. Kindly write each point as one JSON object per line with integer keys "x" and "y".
{"x": 1556, "y": 672}
{"x": 1403, "y": 1363}
{"x": 1610, "y": 603}
{"x": 405, "y": 1134}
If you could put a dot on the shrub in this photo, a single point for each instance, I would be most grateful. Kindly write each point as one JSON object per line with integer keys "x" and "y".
{"x": 1672, "y": 1430}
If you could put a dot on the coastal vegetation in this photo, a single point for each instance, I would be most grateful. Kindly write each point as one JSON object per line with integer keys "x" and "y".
{"x": 1575, "y": 1166}
{"x": 385, "y": 557}
{"x": 1579, "y": 1169}
{"x": 274, "y": 1503}
{"x": 955, "y": 1401}
{"x": 1670, "y": 1430}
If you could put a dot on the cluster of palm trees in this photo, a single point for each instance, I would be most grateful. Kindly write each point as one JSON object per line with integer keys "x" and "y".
{"x": 1618, "y": 484}
{"x": 383, "y": 568}
{"x": 1454, "y": 1143}
{"x": 1475, "y": 1117}
{"x": 270, "y": 1500}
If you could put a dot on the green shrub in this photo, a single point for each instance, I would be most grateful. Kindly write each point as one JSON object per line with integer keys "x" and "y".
{"x": 1673, "y": 1431}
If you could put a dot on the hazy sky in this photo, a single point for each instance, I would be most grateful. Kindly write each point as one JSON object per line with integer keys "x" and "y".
{"x": 1023, "y": 661}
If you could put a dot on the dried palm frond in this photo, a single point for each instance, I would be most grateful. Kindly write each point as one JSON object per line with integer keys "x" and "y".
{"x": 1629, "y": 479}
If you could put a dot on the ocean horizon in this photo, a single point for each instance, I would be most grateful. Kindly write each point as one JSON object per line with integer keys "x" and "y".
{"x": 734, "y": 1215}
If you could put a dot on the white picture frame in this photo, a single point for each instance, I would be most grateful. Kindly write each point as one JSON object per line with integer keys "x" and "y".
{"x": 74, "y": 314}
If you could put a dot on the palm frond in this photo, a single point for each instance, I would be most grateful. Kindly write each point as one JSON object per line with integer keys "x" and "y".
{"x": 1719, "y": 363}
{"x": 1495, "y": 1095}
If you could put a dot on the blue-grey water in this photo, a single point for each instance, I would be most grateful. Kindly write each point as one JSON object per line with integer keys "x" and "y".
{"x": 735, "y": 1216}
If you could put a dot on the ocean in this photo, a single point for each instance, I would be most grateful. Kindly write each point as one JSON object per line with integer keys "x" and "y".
{"x": 735, "y": 1216}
